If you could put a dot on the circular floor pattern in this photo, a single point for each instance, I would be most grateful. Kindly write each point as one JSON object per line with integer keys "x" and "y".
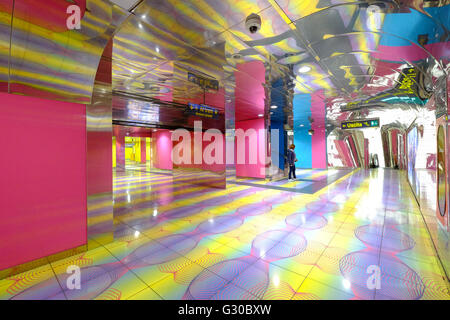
{"x": 306, "y": 221}
{"x": 396, "y": 279}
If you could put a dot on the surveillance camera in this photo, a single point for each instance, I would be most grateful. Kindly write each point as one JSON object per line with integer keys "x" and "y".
{"x": 253, "y": 23}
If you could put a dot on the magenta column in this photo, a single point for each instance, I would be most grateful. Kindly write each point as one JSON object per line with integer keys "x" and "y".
{"x": 249, "y": 139}
{"x": 250, "y": 124}
{"x": 163, "y": 156}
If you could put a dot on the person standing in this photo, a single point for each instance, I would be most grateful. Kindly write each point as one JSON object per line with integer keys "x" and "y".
{"x": 292, "y": 158}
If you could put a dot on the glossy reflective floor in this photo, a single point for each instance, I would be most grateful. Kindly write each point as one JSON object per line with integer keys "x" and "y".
{"x": 180, "y": 241}
{"x": 426, "y": 194}
{"x": 308, "y": 180}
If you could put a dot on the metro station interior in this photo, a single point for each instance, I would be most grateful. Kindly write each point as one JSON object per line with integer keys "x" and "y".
{"x": 146, "y": 149}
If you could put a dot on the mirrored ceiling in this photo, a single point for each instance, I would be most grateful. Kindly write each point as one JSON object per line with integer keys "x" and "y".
{"x": 352, "y": 54}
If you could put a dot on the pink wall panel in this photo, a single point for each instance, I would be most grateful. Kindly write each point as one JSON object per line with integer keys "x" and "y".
{"x": 43, "y": 184}
{"x": 99, "y": 166}
{"x": 366, "y": 154}
{"x": 163, "y": 159}
{"x": 353, "y": 152}
{"x": 344, "y": 153}
{"x": 194, "y": 149}
{"x": 410, "y": 53}
{"x": 250, "y": 102}
{"x": 394, "y": 149}
{"x": 216, "y": 99}
{"x": 249, "y": 93}
{"x": 215, "y": 167}
{"x": 247, "y": 169}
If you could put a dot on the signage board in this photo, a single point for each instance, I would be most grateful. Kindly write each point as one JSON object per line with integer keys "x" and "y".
{"x": 405, "y": 91}
{"x": 202, "y": 110}
{"x": 203, "y": 82}
{"x": 360, "y": 124}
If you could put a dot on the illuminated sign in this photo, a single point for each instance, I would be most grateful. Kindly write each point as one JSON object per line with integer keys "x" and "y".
{"x": 359, "y": 124}
{"x": 143, "y": 111}
{"x": 406, "y": 91}
{"x": 202, "y": 110}
{"x": 203, "y": 82}
{"x": 407, "y": 82}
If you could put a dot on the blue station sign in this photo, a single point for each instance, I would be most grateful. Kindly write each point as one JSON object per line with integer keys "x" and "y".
{"x": 202, "y": 110}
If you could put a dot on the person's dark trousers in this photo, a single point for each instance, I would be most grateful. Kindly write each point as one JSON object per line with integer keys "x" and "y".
{"x": 292, "y": 172}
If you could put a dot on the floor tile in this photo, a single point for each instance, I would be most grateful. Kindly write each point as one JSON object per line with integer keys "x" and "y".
{"x": 193, "y": 283}
{"x": 314, "y": 290}
{"x": 146, "y": 294}
{"x": 37, "y": 284}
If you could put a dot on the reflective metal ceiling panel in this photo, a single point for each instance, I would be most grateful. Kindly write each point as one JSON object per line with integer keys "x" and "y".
{"x": 346, "y": 52}
{"x": 48, "y": 59}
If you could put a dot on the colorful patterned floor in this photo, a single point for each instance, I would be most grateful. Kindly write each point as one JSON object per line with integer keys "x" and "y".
{"x": 180, "y": 241}
{"x": 307, "y": 181}
{"x": 129, "y": 165}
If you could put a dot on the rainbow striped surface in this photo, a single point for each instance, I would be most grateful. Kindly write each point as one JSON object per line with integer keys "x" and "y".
{"x": 360, "y": 237}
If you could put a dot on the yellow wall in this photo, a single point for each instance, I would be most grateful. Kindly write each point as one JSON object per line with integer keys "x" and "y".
{"x": 129, "y": 155}
{"x": 137, "y": 149}
{"x": 135, "y": 153}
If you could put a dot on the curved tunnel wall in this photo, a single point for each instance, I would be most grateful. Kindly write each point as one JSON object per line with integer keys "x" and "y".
{"x": 40, "y": 56}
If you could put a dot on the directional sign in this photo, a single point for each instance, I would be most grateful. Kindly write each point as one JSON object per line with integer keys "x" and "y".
{"x": 202, "y": 110}
{"x": 406, "y": 91}
{"x": 203, "y": 82}
{"x": 359, "y": 124}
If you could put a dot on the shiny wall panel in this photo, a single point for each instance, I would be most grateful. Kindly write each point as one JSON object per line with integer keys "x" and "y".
{"x": 440, "y": 229}
{"x": 206, "y": 164}
{"x": 202, "y": 169}
{"x": 99, "y": 166}
{"x": 120, "y": 146}
{"x": 46, "y": 58}
{"x": 99, "y": 155}
{"x": 5, "y": 33}
{"x": 230, "y": 124}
